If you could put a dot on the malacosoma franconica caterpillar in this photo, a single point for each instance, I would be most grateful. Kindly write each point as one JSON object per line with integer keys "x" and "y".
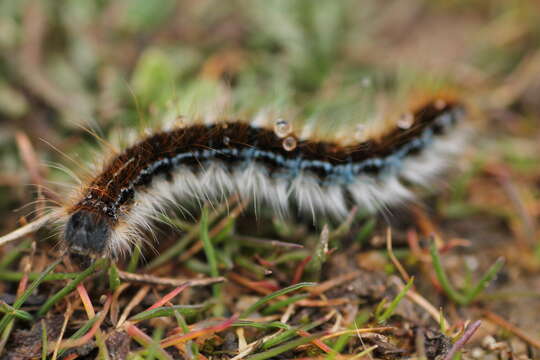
{"x": 267, "y": 164}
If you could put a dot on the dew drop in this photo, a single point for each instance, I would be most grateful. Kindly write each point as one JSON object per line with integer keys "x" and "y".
{"x": 282, "y": 128}
{"x": 226, "y": 140}
{"x": 180, "y": 121}
{"x": 360, "y": 132}
{"x": 365, "y": 82}
{"x": 289, "y": 143}
{"x": 405, "y": 121}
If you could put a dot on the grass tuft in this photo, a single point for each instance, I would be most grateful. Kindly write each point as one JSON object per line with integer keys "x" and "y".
{"x": 468, "y": 295}
{"x": 263, "y": 301}
{"x": 71, "y": 286}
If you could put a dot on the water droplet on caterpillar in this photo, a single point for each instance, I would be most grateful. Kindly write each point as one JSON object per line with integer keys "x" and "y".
{"x": 226, "y": 140}
{"x": 289, "y": 143}
{"x": 177, "y": 123}
{"x": 282, "y": 128}
{"x": 405, "y": 121}
{"x": 360, "y": 132}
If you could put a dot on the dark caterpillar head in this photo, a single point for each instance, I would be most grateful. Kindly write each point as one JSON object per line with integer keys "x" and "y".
{"x": 87, "y": 234}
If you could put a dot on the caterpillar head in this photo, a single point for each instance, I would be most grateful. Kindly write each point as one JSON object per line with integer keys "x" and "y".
{"x": 87, "y": 235}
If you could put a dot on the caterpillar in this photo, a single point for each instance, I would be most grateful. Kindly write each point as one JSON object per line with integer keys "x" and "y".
{"x": 265, "y": 162}
{"x": 260, "y": 161}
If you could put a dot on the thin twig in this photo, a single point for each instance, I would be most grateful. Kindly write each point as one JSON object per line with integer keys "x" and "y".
{"x": 69, "y": 312}
{"x": 358, "y": 331}
{"x": 267, "y": 243}
{"x": 248, "y": 283}
{"x": 140, "y": 336}
{"x": 426, "y": 305}
{"x": 136, "y": 300}
{"x": 69, "y": 343}
{"x": 323, "y": 303}
{"x": 496, "y": 319}
{"x": 155, "y": 280}
{"x": 395, "y": 261}
{"x": 26, "y": 229}
{"x": 327, "y": 285}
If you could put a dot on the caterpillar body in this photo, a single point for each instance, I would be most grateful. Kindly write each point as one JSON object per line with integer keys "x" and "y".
{"x": 268, "y": 164}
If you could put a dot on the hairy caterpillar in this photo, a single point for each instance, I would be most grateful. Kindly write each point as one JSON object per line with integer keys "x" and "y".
{"x": 265, "y": 163}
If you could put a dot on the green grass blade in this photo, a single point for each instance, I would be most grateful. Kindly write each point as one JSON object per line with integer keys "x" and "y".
{"x": 484, "y": 281}
{"x": 17, "y": 276}
{"x": 341, "y": 341}
{"x": 7, "y": 318}
{"x": 181, "y": 244}
{"x": 80, "y": 332}
{"x": 443, "y": 279}
{"x": 283, "y": 303}
{"x": 273, "y": 295}
{"x": 70, "y": 287}
{"x": 166, "y": 311}
{"x": 263, "y": 325}
{"x": 366, "y": 230}
{"x": 114, "y": 278}
{"x": 19, "y": 314}
{"x": 210, "y": 253}
{"x": 290, "y": 333}
{"x": 134, "y": 259}
{"x": 274, "y": 352}
{"x": 44, "y": 342}
{"x": 393, "y": 305}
